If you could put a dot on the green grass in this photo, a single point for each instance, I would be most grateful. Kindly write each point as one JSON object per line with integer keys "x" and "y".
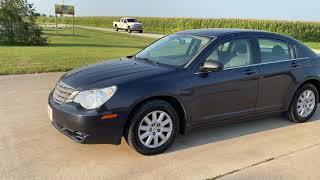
{"x": 313, "y": 45}
{"x": 66, "y": 52}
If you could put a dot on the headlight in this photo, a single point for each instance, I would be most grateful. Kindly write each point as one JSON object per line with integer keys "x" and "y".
{"x": 92, "y": 99}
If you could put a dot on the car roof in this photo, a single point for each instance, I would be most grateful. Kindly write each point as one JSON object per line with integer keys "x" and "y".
{"x": 221, "y": 32}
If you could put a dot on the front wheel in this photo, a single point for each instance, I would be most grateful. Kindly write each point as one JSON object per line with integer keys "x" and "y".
{"x": 116, "y": 28}
{"x": 153, "y": 128}
{"x": 304, "y": 104}
{"x": 129, "y": 30}
{"x": 141, "y": 31}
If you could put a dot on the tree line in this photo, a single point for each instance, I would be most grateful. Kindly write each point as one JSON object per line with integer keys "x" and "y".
{"x": 18, "y": 24}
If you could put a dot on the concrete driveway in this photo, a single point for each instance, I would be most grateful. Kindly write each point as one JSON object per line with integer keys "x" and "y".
{"x": 30, "y": 148}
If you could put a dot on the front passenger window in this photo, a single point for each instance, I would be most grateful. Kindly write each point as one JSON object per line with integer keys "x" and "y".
{"x": 233, "y": 53}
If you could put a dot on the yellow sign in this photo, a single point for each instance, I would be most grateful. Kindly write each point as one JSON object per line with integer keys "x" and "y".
{"x": 64, "y": 9}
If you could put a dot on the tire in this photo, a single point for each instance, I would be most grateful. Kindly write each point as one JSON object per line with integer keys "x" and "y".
{"x": 138, "y": 138}
{"x": 305, "y": 110}
{"x": 129, "y": 30}
{"x": 116, "y": 28}
{"x": 141, "y": 31}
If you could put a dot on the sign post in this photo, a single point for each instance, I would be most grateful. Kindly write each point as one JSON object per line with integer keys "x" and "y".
{"x": 64, "y": 9}
{"x": 73, "y": 24}
{"x": 56, "y": 24}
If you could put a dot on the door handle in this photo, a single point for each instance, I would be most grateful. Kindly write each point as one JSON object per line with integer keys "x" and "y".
{"x": 249, "y": 72}
{"x": 295, "y": 65}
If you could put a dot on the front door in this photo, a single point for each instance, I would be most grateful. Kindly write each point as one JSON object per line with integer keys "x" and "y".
{"x": 231, "y": 92}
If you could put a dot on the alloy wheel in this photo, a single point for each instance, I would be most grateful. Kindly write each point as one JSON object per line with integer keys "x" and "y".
{"x": 155, "y": 129}
{"x": 306, "y": 103}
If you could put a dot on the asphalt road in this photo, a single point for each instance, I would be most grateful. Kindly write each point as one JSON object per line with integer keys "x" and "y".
{"x": 134, "y": 33}
{"x": 150, "y": 35}
{"x": 30, "y": 148}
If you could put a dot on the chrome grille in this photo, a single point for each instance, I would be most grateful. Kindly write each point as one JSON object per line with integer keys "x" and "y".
{"x": 137, "y": 26}
{"x": 61, "y": 92}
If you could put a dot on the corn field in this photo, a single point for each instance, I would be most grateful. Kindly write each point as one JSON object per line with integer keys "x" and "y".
{"x": 304, "y": 31}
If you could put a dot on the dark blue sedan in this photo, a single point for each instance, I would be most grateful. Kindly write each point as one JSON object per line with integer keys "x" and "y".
{"x": 184, "y": 81}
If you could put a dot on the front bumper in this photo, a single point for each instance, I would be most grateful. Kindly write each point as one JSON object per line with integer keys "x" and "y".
{"x": 86, "y": 126}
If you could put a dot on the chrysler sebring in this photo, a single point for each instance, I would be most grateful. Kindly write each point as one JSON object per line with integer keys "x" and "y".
{"x": 184, "y": 81}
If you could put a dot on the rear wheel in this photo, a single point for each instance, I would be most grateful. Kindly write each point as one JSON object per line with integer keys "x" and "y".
{"x": 141, "y": 31}
{"x": 304, "y": 104}
{"x": 153, "y": 128}
{"x": 129, "y": 30}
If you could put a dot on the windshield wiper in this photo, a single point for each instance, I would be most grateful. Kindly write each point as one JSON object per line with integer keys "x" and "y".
{"x": 149, "y": 60}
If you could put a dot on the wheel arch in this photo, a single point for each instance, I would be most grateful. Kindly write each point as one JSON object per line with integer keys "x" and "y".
{"x": 314, "y": 81}
{"x": 173, "y": 101}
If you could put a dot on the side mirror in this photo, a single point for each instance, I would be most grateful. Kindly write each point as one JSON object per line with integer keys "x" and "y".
{"x": 211, "y": 66}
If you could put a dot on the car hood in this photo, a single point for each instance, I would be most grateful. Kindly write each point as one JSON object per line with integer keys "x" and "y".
{"x": 110, "y": 73}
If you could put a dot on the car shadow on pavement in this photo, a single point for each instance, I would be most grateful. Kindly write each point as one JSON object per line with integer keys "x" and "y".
{"x": 230, "y": 131}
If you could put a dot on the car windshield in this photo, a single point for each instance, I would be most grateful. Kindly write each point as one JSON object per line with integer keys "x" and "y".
{"x": 174, "y": 50}
{"x": 132, "y": 20}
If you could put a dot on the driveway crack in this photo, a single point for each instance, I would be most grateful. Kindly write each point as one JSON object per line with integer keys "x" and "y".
{"x": 264, "y": 161}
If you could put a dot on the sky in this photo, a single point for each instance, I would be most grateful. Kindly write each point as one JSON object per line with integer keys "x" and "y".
{"x": 249, "y": 9}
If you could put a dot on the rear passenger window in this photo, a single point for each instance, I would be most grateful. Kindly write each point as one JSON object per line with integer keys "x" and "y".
{"x": 274, "y": 50}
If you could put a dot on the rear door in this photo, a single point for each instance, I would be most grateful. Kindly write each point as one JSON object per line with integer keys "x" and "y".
{"x": 121, "y": 24}
{"x": 125, "y": 23}
{"x": 279, "y": 67}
